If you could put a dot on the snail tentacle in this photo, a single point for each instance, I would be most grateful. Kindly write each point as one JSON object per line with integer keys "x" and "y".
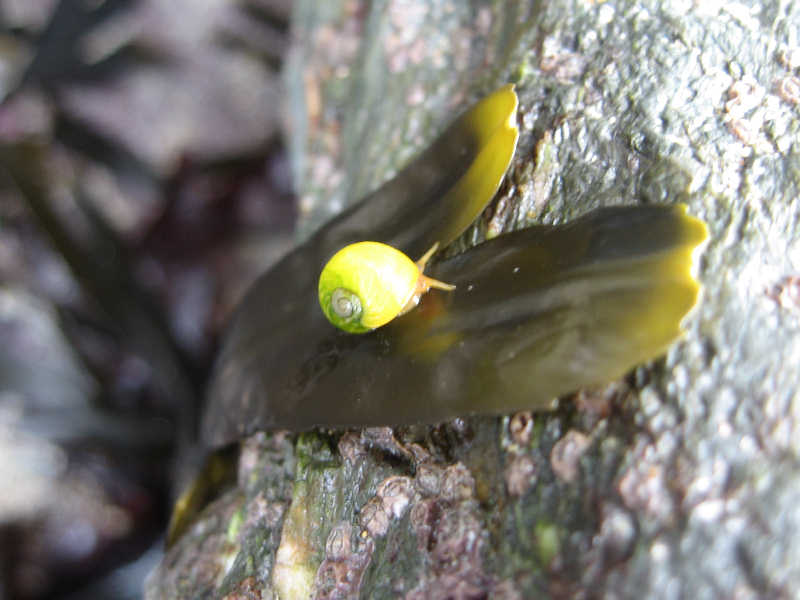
{"x": 425, "y": 283}
{"x": 427, "y": 256}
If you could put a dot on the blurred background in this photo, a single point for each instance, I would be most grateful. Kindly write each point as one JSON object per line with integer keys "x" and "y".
{"x": 143, "y": 186}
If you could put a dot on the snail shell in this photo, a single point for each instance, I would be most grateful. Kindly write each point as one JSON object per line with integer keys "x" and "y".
{"x": 367, "y": 284}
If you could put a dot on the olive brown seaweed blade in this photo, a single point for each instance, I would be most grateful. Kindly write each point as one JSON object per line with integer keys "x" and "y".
{"x": 560, "y": 308}
{"x": 260, "y": 369}
{"x": 536, "y": 314}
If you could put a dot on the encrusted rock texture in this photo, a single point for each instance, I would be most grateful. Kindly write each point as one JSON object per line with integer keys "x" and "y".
{"x": 680, "y": 481}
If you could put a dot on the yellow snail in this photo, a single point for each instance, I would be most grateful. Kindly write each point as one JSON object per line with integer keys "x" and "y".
{"x": 367, "y": 284}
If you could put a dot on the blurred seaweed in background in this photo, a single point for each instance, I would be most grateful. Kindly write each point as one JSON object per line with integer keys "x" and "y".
{"x": 143, "y": 185}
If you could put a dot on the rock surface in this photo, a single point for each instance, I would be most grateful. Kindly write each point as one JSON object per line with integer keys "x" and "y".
{"x": 680, "y": 481}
